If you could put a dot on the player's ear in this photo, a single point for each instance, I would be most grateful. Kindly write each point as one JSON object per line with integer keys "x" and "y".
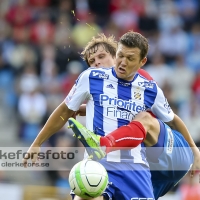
{"x": 143, "y": 61}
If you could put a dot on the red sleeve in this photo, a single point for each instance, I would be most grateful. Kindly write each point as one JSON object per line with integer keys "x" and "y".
{"x": 145, "y": 74}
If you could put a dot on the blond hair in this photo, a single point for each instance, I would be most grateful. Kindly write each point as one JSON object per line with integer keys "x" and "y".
{"x": 108, "y": 43}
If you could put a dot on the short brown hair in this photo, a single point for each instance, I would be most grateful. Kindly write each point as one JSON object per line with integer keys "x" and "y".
{"x": 108, "y": 43}
{"x": 134, "y": 39}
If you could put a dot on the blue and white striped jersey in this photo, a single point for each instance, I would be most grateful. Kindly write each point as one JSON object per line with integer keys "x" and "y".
{"x": 113, "y": 102}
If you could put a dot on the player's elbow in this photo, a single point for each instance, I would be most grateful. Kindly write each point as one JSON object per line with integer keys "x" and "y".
{"x": 173, "y": 124}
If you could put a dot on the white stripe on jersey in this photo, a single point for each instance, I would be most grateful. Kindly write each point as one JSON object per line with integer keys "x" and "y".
{"x": 109, "y": 124}
{"x": 114, "y": 156}
{"x": 136, "y": 153}
{"x": 90, "y": 114}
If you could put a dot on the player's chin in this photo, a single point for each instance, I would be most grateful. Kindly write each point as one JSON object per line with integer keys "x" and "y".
{"x": 121, "y": 75}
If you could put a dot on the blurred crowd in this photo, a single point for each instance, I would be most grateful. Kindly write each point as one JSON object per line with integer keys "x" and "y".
{"x": 41, "y": 41}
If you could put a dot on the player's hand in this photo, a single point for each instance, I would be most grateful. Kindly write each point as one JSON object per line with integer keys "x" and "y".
{"x": 80, "y": 112}
{"x": 196, "y": 163}
{"x": 32, "y": 154}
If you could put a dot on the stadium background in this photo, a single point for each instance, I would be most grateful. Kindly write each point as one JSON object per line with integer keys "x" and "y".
{"x": 40, "y": 45}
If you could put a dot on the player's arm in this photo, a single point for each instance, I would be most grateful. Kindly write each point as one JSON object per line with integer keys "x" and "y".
{"x": 59, "y": 117}
{"x": 81, "y": 111}
{"x": 178, "y": 124}
{"x": 162, "y": 110}
{"x": 55, "y": 122}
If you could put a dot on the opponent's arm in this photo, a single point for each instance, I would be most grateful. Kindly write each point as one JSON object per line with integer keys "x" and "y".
{"x": 60, "y": 116}
{"x": 55, "y": 122}
{"x": 178, "y": 124}
{"x": 81, "y": 111}
{"x": 163, "y": 111}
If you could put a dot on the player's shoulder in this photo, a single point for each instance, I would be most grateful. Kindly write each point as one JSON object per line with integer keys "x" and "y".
{"x": 99, "y": 69}
{"x": 83, "y": 75}
{"x": 144, "y": 74}
{"x": 85, "y": 72}
{"x": 100, "y": 73}
{"x": 93, "y": 72}
{"x": 103, "y": 69}
{"x": 146, "y": 82}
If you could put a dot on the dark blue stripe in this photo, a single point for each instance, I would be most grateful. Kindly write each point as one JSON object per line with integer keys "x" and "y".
{"x": 150, "y": 96}
{"x": 96, "y": 88}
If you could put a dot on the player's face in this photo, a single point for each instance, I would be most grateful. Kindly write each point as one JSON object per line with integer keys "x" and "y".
{"x": 101, "y": 58}
{"x": 128, "y": 62}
